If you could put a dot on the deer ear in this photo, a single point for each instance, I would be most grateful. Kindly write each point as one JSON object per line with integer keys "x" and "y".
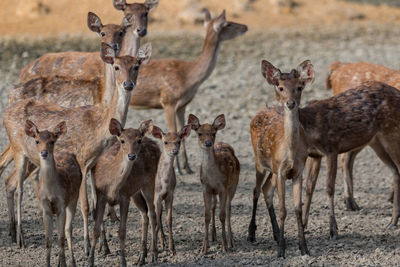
{"x": 107, "y": 53}
{"x": 94, "y": 22}
{"x": 60, "y": 129}
{"x": 194, "y": 122}
{"x": 157, "y": 132}
{"x": 144, "y": 53}
{"x": 119, "y": 4}
{"x": 306, "y": 71}
{"x": 151, "y": 4}
{"x": 185, "y": 132}
{"x": 146, "y": 127}
{"x": 207, "y": 17}
{"x": 270, "y": 73}
{"x": 220, "y": 22}
{"x": 31, "y": 129}
{"x": 219, "y": 122}
{"x": 115, "y": 127}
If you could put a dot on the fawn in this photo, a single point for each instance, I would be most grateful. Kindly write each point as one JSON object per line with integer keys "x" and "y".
{"x": 60, "y": 180}
{"x": 219, "y": 175}
{"x": 166, "y": 179}
{"x": 127, "y": 169}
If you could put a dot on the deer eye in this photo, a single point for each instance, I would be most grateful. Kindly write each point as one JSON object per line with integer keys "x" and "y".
{"x": 281, "y": 89}
{"x": 139, "y": 141}
{"x": 136, "y": 68}
{"x": 52, "y": 143}
{"x": 103, "y": 34}
{"x": 299, "y": 88}
{"x": 213, "y": 134}
{"x": 116, "y": 68}
{"x": 200, "y": 134}
{"x": 166, "y": 143}
{"x": 145, "y": 14}
{"x": 122, "y": 141}
{"x": 37, "y": 142}
{"x": 121, "y": 34}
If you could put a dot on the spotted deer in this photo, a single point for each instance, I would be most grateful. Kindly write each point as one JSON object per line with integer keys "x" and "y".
{"x": 219, "y": 175}
{"x": 166, "y": 179}
{"x": 342, "y": 76}
{"x": 127, "y": 170}
{"x": 171, "y": 84}
{"x": 279, "y": 145}
{"x": 60, "y": 179}
{"x": 88, "y": 134}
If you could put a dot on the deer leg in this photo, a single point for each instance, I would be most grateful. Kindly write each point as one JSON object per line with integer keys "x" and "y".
{"x": 61, "y": 237}
{"x": 169, "y": 204}
{"x": 104, "y": 242}
{"x": 20, "y": 165}
{"x": 207, "y": 218}
{"x": 70, "y": 213}
{"x": 5, "y": 158}
{"x": 297, "y": 187}
{"x": 85, "y": 212}
{"x": 112, "y": 214}
{"x": 148, "y": 195}
{"x": 124, "y": 208}
{"x": 347, "y": 163}
{"x": 159, "y": 208}
{"x": 222, "y": 216}
{"x": 101, "y": 205}
{"x": 141, "y": 205}
{"x": 11, "y": 185}
{"x": 182, "y": 159}
{"x": 213, "y": 229}
{"x": 268, "y": 192}
{"x": 228, "y": 222}
{"x": 93, "y": 192}
{"x": 282, "y": 215}
{"x": 260, "y": 175}
{"x": 48, "y": 228}
{"x": 331, "y": 161}
{"x": 313, "y": 166}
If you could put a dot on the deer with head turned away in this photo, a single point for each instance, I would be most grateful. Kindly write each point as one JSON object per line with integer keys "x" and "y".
{"x": 171, "y": 84}
{"x": 60, "y": 179}
{"x": 343, "y": 76}
{"x": 127, "y": 170}
{"x": 279, "y": 145}
{"x": 166, "y": 179}
{"x": 87, "y": 135}
{"x": 219, "y": 175}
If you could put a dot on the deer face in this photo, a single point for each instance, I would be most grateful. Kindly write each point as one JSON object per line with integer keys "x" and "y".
{"x": 171, "y": 141}
{"x": 130, "y": 139}
{"x": 126, "y": 68}
{"x": 288, "y": 86}
{"x": 220, "y": 28}
{"x": 207, "y": 132}
{"x": 45, "y": 140}
{"x": 137, "y": 14}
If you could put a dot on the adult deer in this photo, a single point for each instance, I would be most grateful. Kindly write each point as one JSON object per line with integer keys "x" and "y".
{"x": 60, "y": 179}
{"x": 171, "y": 84}
{"x": 343, "y": 76}
{"x": 279, "y": 145}
{"x": 88, "y": 134}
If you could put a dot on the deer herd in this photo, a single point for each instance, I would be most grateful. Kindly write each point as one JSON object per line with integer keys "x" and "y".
{"x": 66, "y": 119}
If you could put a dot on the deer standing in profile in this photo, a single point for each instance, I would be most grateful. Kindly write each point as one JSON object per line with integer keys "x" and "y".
{"x": 171, "y": 84}
{"x": 219, "y": 175}
{"x": 88, "y": 134}
{"x": 343, "y": 76}
{"x": 127, "y": 170}
{"x": 166, "y": 180}
{"x": 279, "y": 145}
{"x": 60, "y": 180}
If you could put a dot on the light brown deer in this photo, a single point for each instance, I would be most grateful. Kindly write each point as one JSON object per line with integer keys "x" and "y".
{"x": 83, "y": 123}
{"x": 166, "y": 179}
{"x": 219, "y": 175}
{"x": 279, "y": 145}
{"x": 60, "y": 180}
{"x": 343, "y": 76}
{"x": 127, "y": 169}
{"x": 171, "y": 84}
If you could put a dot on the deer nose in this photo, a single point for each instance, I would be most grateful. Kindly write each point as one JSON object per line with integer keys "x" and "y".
{"x": 131, "y": 156}
{"x": 291, "y": 104}
{"x": 141, "y": 31}
{"x": 175, "y": 151}
{"x": 129, "y": 85}
{"x": 208, "y": 143}
{"x": 44, "y": 154}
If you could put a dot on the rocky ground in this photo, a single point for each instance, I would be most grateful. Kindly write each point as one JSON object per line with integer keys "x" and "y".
{"x": 237, "y": 89}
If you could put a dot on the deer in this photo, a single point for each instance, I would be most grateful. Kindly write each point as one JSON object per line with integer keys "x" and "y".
{"x": 342, "y": 76}
{"x": 280, "y": 146}
{"x": 166, "y": 180}
{"x": 60, "y": 180}
{"x": 127, "y": 170}
{"x": 178, "y": 81}
{"x": 219, "y": 175}
{"x": 82, "y": 121}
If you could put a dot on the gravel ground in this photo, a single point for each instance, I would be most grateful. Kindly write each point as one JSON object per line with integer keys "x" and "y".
{"x": 237, "y": 89}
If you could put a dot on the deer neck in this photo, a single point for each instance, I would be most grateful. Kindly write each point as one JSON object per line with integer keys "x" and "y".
{"x": 208, "y": 160}
{"x": 202, "y": 67}
{"x": 291, "y": 128}
{"x": 124, "y": 169}
{"x": 48, "y": 172}
{"x": 118, "y": 108}
{"x": 130, "y": 44}
{"x": 165, "y": 165}
{"x": 110, "y": 84}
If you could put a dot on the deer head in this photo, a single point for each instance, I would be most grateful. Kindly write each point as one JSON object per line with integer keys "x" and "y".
{"x": 171, "y": 141}
{"x": 288, "y": 86}
{"x": 207, "y": 132}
